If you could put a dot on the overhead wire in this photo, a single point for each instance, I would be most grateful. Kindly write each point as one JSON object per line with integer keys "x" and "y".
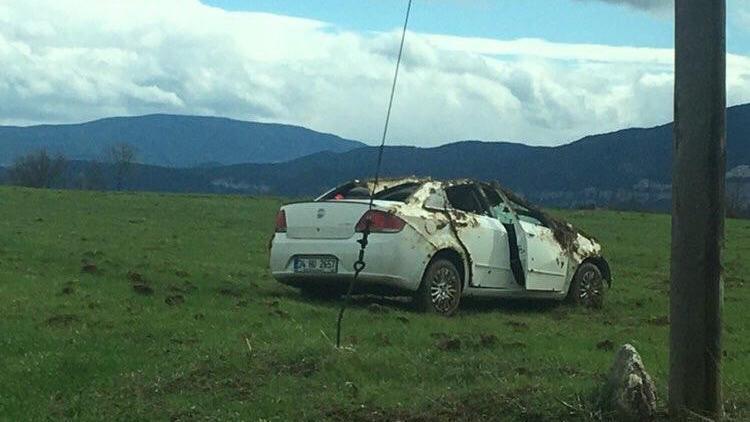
{"x": 360, "y": 264}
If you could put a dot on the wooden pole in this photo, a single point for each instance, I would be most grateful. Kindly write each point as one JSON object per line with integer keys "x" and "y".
{"x": 697, "y": 208}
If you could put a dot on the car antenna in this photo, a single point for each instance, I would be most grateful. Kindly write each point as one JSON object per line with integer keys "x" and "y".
{"x": 359, "y": 265}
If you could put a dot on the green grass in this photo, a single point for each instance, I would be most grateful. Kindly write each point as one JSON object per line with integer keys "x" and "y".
{"x": 86, "y": 345}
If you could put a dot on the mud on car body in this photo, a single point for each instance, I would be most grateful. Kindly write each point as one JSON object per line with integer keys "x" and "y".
{"x": 437, "y": 241}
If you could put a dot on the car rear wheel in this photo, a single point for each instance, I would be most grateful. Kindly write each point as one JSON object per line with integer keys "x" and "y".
{"x": 587, "y": 287}
{"x": 440, "y": 291}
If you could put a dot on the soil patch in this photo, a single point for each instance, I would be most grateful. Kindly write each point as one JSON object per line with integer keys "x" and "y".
{"x": 377, "y": 309}
{"x": 63, "y": 320}
{"x": 606, "y": 345}
{"x": 143, "y": 289}
{"x": 136, "y": 277}
{"x": 659, "y": 321}
{"x": 487, "y": 340}
{"x": 89, "y": 268}
{"x": 448, "y": 344}
{"x": 304, "y": 367}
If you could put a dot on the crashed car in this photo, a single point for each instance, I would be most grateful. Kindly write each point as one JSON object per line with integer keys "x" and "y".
{"x": 437, "y": 241}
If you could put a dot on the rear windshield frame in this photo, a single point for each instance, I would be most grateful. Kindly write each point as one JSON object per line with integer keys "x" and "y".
{"x": 398, "y": 193}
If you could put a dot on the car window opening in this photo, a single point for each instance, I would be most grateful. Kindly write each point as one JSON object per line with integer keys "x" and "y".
{"x": 359, "y": 190}
{"x": 499, "y": 209}
{"x": 399, "y": 193}
{"x": 505, "y": 215}
{"x": 465, "y": 198}
{"x": 351, "y": 190}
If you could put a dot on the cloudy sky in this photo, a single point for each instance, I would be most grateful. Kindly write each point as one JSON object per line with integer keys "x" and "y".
{"x": 536, "y": 71}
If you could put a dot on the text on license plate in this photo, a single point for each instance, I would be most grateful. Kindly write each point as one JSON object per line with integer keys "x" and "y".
{"x": 315, "y": 264}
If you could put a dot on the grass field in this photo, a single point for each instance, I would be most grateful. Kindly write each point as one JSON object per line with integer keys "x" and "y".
{"x": 155, "y": 307}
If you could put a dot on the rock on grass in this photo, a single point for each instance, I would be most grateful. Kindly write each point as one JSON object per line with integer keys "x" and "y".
{"x": 629, "y": 390}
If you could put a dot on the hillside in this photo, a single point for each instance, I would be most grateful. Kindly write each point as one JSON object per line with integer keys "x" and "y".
{"x": 606, "y": 163}
{"x": 207, "y": 334}
{"x": 174, "y": 141}
{"x": 628, "y": 169}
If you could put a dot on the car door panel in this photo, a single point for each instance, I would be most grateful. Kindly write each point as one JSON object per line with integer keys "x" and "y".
{"x": 543, "y": 262}
{"x": 546, "y": 262}
{"x": 483, "y": 236}
{"x": 487, "y": 244}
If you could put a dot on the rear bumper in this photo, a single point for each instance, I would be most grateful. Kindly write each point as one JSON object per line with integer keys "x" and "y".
{"x": 394, "y": 262}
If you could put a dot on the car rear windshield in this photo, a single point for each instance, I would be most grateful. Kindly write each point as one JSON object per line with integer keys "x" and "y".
{"x": 399, "y": 193}
{"x": 358, "y": 190}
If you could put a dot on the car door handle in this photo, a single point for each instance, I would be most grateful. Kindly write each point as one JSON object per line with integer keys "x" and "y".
{"x": 531, "y": 234}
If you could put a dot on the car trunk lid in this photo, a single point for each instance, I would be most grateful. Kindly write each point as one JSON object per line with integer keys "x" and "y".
{"x": 325, "y": 219}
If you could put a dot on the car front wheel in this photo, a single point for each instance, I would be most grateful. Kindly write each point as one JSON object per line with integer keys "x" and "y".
{"x": 440, "y": 291}
{"x": 587, "y": 287}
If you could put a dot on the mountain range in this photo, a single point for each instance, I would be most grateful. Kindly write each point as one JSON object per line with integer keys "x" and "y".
{"x": 173, "y": 140}
{"x": 630, "y": 168}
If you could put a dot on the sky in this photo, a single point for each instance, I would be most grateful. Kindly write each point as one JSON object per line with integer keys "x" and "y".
{"x": 540, "y": 72}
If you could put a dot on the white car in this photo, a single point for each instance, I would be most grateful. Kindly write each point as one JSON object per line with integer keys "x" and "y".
{"x": 437, "y": 241}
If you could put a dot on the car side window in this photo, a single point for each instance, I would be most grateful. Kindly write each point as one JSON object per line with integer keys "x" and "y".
{"x": 503, "y": 213}
{"x": 466, "y": 198}
{"x": 524, "y": 214}
{"x": 499, "y": 209}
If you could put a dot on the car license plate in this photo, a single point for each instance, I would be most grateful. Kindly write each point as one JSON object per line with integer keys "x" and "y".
{"x": 315, "y": 264}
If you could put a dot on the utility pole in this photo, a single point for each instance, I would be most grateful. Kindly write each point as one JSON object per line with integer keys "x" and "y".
{"x": 698, "y": 208}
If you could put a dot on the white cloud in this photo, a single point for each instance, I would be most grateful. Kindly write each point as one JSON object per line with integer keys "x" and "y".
{"x": 69, "y": 61}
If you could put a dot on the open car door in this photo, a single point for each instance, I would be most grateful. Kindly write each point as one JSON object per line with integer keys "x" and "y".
{"x": 546, "y": 262}
{"x": 540, "y": 258}
{"x": 482, "y": 235}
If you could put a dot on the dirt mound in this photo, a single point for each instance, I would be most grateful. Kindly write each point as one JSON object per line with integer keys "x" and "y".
{"x": 89, "y": 268}
{"x": 143, "y": 289}
{"x": 136, "y": 277}
{"x": 62, "y": 320}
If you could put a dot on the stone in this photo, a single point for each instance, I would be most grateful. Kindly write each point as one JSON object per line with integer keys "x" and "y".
{"x": 629, "y": 391}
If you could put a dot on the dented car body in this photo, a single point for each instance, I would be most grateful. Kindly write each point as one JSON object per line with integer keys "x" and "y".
{"x": 438, "y": 241}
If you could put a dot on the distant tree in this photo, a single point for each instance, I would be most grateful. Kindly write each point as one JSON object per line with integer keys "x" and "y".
{"x": 91, "y": 177}
{"x": 37, "y": 169}
{"x": 121, "y": 156}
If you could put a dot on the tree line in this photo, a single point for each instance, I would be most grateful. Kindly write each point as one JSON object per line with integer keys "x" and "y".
{"x": 116, "y": 166}
{"x": 43, "y": 169}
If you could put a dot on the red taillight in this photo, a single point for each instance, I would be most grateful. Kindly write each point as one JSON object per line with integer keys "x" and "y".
{"x": 281, "y": 222}
{"x": 380, "y": 222}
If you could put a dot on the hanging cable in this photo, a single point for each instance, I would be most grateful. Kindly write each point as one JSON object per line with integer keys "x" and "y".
{"x": 360, "y": 265}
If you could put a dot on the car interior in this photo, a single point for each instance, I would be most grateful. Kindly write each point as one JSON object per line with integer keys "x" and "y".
{"x": 466, "y": 198}
{"x": 359, "y": 190}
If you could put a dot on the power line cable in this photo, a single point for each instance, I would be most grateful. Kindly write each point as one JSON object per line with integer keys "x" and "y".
{"x": 360, "y": 264}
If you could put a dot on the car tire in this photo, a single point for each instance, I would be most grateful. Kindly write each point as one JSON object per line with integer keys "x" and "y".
{"x": 440, "y": 290}
{"x": 587, "y": 288}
